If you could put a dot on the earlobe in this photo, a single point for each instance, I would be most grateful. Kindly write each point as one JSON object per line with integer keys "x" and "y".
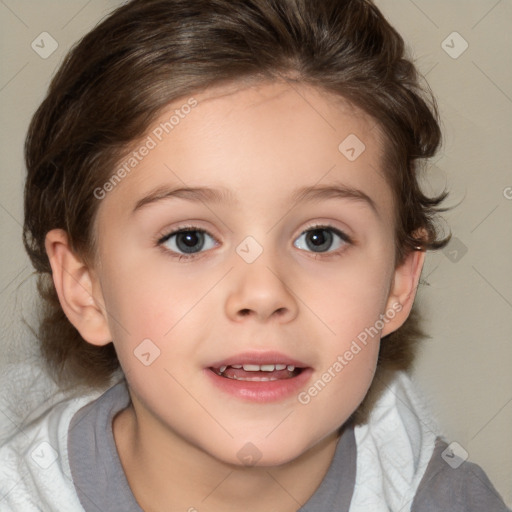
{"x": 403, "y": 290}
{"x": 73, "y": 281}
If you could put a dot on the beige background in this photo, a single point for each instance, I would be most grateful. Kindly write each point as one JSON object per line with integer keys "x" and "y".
{"x": 465, "y": 369}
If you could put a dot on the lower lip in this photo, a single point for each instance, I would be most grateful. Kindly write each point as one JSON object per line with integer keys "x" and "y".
{"x": 261, "y": 391}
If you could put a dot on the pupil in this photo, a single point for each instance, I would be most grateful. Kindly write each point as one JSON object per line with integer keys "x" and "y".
{"x": 318, "y": 239}
{"x": 190, "y": 240}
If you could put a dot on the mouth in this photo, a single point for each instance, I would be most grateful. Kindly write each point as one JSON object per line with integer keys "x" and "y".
{"x": 259, "y": 377}
{"x": 258, "y": 372}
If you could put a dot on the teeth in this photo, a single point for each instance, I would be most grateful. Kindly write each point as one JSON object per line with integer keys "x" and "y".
{"x": 258, "y": 367}
{"x": 251, "y": 367}
{"x": 255, "y": 379}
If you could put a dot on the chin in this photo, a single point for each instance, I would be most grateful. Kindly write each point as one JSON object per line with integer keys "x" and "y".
{"x": 261, "y": 454}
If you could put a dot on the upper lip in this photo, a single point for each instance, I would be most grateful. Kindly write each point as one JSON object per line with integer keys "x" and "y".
{"x": 260, "y": 358}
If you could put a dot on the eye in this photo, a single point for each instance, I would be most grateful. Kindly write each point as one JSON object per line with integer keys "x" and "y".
{"x": 187, "y": 242}
{"x": 320, "y": 239}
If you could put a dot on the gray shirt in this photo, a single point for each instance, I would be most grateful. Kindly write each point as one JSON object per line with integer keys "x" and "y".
{"x": 101, "y": 484}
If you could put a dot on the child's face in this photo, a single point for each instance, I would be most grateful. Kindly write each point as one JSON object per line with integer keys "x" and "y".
{"x": 256, "y": 289}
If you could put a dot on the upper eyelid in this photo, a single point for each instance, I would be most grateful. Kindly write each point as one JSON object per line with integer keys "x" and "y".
{"x": 167, "y": 234}
{"x": 321, "y": 225}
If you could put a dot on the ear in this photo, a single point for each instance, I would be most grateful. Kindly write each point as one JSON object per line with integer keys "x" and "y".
{"x": 403, "y": 291}
{"x": 78, "y": 290}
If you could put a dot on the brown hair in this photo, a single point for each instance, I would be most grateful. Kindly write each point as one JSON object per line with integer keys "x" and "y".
{"x": 118, "y": 78}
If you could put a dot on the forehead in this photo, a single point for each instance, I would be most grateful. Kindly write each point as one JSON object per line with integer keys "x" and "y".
{"x": 259, "y": 142}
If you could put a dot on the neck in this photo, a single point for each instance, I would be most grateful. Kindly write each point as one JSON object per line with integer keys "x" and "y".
{"x": 166, "y": 472}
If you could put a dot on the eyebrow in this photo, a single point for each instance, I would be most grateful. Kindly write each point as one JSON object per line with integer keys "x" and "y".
{"x": 203, "y": 194}
{"x": 225, "y": 195}
{"x": 334, "y": 191}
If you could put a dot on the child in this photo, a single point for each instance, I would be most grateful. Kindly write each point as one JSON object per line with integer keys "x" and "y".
{"x": 260, "y": 368}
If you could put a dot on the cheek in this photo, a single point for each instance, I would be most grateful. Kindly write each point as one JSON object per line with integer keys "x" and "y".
{"x": 350, "y": 303}
{"x": 152, "y": 309}
{"x": 339, "y": 386}
{"x": 139, "y": 308}
{"x": 349, "y": 298}
{"x": 148, "y": 298}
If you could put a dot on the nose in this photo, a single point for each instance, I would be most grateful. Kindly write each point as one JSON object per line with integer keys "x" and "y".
{"x": 260, "y": 291}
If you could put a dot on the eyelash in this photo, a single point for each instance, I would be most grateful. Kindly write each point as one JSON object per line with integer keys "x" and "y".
{"x": 190, "y": 228}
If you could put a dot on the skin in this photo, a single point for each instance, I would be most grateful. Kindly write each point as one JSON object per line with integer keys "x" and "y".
{"x": 178, "y": 441}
